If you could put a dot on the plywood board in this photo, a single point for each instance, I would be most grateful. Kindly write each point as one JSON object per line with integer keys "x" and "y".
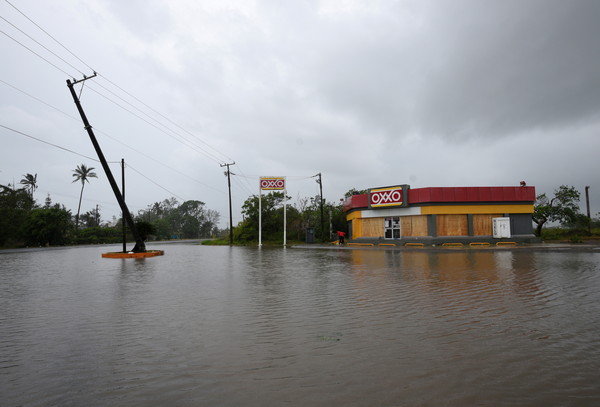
{"x": 482, "y": 224}
{"x": 452, "y": 225}
{"x": 372, "y": 227}
{"x": 414, "y": 225}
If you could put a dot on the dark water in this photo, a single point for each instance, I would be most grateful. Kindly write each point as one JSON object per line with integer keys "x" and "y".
{"x": 220, "y": 326}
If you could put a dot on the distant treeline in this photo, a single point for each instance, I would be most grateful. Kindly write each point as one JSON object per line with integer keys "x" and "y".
{"x": 23, "y": 222}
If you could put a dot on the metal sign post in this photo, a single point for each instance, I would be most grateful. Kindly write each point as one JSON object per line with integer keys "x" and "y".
{"x": 271, "y": 184}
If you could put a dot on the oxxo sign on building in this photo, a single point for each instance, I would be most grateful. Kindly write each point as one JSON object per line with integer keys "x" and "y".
{"x": 388, "y": 196}
{"x": 272, "y": 183}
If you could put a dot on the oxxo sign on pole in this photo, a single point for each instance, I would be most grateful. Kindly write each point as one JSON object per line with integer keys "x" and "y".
{"x": 271, "y": 184}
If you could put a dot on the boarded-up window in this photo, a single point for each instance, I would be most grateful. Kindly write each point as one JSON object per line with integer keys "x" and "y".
{"x": 452, "y": 225}
{"x": 372, "y": 227}
{"x": 414, "y": 225}
{"x": 482, "y": 224}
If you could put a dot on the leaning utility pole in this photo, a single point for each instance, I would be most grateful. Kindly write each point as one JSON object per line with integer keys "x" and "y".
{"x": 140, "y": 246}
{"x": 321, "y": 199}
{"x": 230, "y": 215}
{"x": 587, "y": 204}
{"x": 123, "y": 224}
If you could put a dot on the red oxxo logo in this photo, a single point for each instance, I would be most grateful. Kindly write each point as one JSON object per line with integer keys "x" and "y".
{"x": 272, "y": 183}
{"x": 386, "y": 197}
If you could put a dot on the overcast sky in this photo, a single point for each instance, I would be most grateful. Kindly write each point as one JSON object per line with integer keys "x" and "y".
{"x": 368, "y": 93}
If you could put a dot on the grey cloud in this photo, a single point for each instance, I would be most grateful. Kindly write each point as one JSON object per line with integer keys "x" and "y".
{"x": 512, "y": 67}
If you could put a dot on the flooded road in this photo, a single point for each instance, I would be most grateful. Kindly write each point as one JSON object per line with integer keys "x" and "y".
{"x": 242, "y": 326}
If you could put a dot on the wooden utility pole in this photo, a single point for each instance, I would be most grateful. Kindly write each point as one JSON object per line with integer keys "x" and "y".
{"x": 140, "y": 246}
{"x": 587, "y": 203}
{"x": 123, "y": 194}
{"x": 319, "y": 181}
{"x": 230, "y": 213}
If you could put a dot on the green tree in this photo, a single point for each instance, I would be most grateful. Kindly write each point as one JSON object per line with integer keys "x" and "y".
{"x": 15, "y": 206}
{"x": 355, "y": 191}
{"x": 82, "y": 173}
{"x": 190, "y": 215}
{"x": 188, "y": 220}
{"x": 90, "y": 218}
{"x": 48, "y": 227}
{"x": 563, "y": 207}
{"x": 209, "y": 226}
{"x": 272, "y": 222}
{"x": 47, "y": 202}
{"x": 30, "y": 182}
{"x": 145, "y": 229}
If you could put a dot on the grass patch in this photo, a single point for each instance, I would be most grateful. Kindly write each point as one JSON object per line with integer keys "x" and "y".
{"x": 557, "y": 234}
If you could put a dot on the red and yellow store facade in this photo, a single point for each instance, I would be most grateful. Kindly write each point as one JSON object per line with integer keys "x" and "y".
{"x": 440, "y": 214}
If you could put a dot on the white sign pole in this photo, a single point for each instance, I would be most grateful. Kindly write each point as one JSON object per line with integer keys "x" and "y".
{"x": 284, "y": 212}
{"x": 259, "y": 213}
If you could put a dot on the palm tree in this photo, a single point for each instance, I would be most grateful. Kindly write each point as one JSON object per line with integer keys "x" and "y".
{"x": 82, "y": 173}
{"x": 30, "y": 182}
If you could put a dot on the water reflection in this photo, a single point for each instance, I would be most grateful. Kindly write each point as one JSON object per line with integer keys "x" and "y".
{"x": 247, "y": 326}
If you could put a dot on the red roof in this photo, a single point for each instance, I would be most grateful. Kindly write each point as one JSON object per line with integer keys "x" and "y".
{"x": 438, "y": 195}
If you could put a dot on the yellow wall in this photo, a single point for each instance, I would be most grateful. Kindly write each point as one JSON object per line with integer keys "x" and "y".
{"x": 356, "y": 219}
{"x": 475, "y": 209}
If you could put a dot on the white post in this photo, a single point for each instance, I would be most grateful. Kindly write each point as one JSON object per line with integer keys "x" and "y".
{"x": 259, "y": 215}
{"x": 284, "y": 213}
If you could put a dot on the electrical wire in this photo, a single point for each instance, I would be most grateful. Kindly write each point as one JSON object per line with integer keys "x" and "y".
{"x": 99, "y": 131}
{"x": 40, "y": 100}
{"x": 181, "y": 139}
{"x": 48, "y": 34}
{"x": 155, "y": 183}
{"x": 174, "y": 136}
{"x": 36, "y": 54}
{"x": 41, "y": 45}
{"x": 227, "y": 158}
{"x": 51, "y": 144}
{"x": 194, "y": 146}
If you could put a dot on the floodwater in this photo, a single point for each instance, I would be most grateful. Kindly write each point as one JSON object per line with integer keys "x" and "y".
{"x": 242, "y": 326}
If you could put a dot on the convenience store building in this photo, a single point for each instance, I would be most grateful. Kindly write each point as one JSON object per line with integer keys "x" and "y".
{"x": 399, "y": 214}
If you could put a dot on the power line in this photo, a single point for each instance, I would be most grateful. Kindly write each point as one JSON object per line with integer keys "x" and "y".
{"x": 41, "y": 45}
{"x": 36, "y": 54}
{"x": 166, "y": 118}
{"x": 208, "y": 154}
{"x": 174, "y": 137}
{"x": 155, "y": 183}
{"x": 192, "y": 145}
{"x": 181, "y": 139}
{"x": 46, "y": 142}
{"x": 48, "y": 34}
{"x": 112, "y": 138}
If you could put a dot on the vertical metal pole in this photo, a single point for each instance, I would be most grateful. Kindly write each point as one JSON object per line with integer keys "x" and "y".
{"x": 587, "y": 203}
{"x": 284, "y": 213}
{"x": 330, "y": 223}
{"x": 123, "y": 195}
{"x": 321, "y": 196}
{"x": 259, "y": 215}
{"x": 230, "y": 213}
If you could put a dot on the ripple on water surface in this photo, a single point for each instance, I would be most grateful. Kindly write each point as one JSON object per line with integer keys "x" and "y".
{"x": 247, "y": 326}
